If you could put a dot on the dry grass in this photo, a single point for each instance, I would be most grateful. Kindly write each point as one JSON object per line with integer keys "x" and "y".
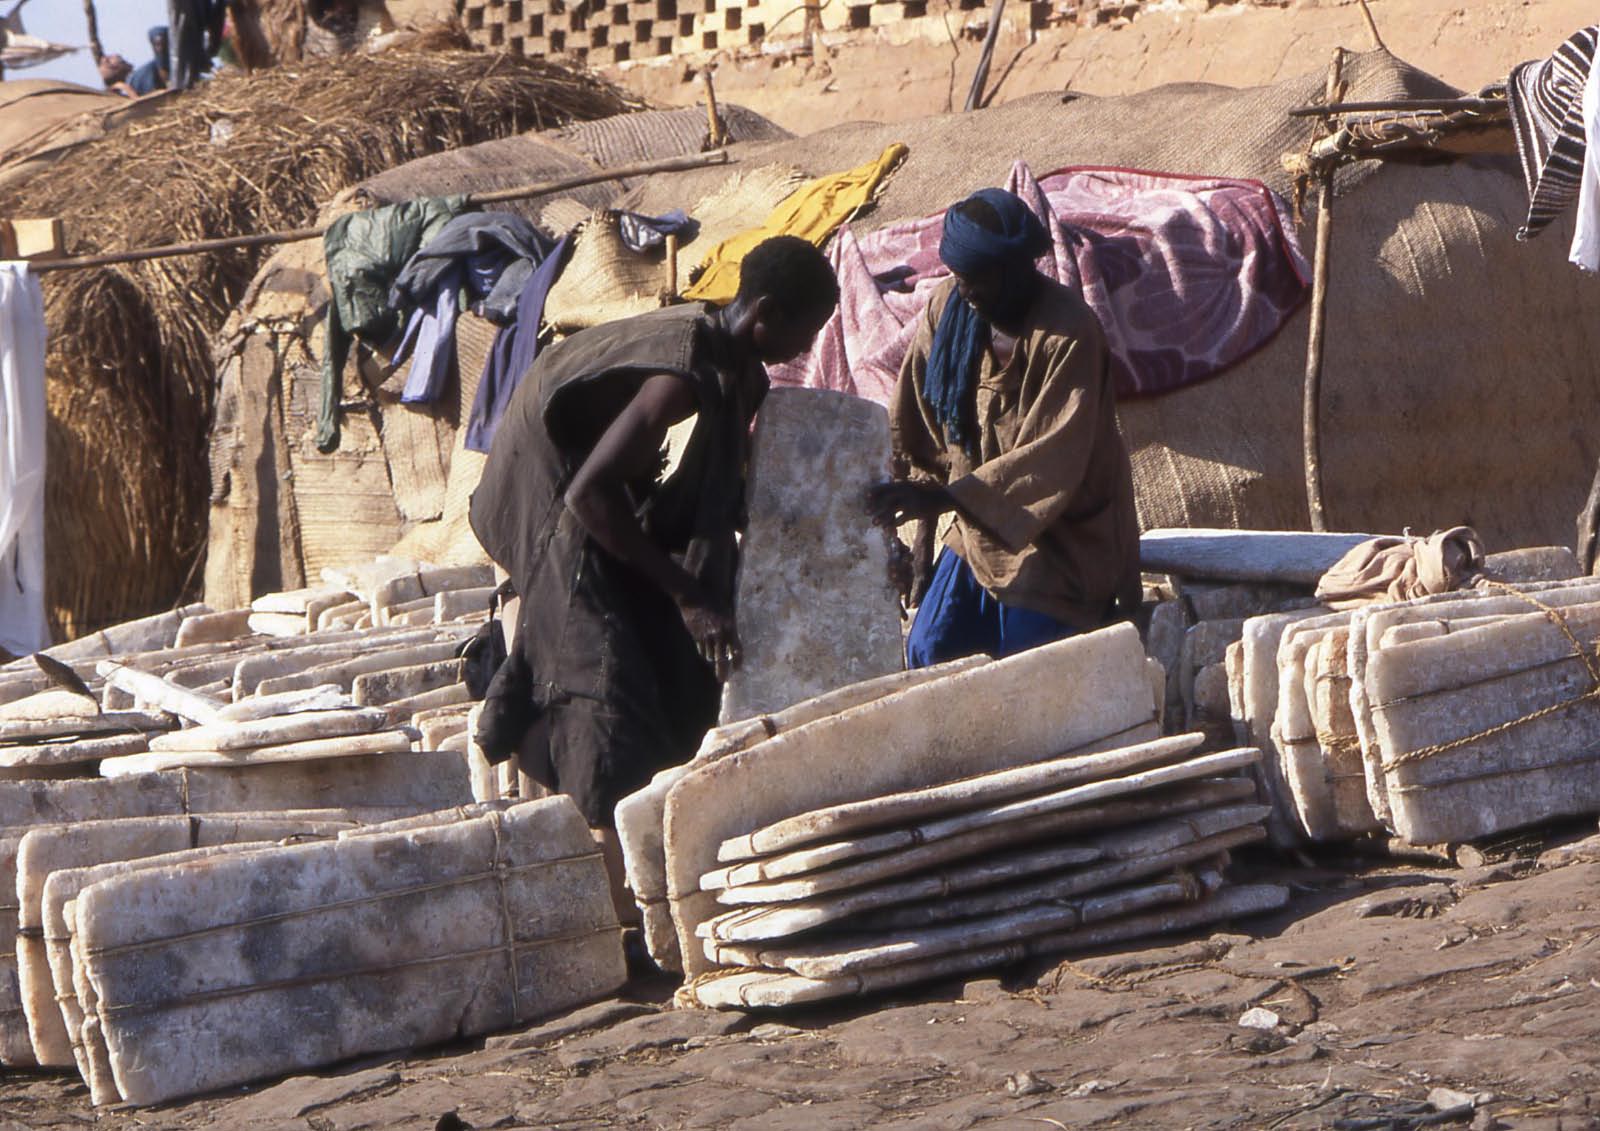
{"x": 130, "y": 371}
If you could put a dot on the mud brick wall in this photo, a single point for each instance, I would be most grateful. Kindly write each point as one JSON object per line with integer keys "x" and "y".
{"x": 601, "y": 32}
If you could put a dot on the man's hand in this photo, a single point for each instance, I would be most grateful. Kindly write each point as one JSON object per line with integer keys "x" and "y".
{"x": 891, "y": 504}
{"x": 902, "y": 573}
{"x": 716, "y": 637}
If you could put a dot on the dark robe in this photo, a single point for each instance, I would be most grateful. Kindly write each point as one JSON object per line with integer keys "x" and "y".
{"x": 608, "y": 680}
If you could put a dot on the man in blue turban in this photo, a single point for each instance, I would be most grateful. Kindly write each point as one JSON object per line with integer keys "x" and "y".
{"x": 1005, "y": 418}
{"x": 153, "y": 75}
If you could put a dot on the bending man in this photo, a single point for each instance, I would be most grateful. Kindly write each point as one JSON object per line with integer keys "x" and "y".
{"x": 1004, "y": 414}
{"x": 626, "y": 629}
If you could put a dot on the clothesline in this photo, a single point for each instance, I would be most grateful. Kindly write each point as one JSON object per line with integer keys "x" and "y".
{"x": 266, "y": 239}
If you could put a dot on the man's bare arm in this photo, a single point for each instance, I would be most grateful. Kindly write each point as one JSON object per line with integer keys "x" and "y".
{"x": 628, "y": 451}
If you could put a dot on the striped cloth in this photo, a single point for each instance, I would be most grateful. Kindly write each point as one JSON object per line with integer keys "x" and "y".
{"x": 1547, "y": 113}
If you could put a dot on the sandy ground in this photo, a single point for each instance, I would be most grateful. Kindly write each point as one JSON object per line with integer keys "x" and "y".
{"x": 1468, "y": 43}
{"x": 1388, "y": 982}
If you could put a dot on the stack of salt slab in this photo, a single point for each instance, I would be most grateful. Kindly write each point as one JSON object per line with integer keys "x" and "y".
{"x": 1411, "y": 717}
{"x": 953, "y": 820}
{"x": 184, "y": 973}
{"x": 254, "y": 711}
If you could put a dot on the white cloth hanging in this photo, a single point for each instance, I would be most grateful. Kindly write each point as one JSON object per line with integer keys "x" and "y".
{"x": 23, "y": 629}
{"x": 1586, "y": 240}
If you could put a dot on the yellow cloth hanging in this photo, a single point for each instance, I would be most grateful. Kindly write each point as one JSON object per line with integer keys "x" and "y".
{"x": 813, "y": 212}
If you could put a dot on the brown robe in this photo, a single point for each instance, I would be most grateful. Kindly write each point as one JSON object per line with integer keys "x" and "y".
{"x": 607, "y": 676}
{"x": 1046, "y": 517}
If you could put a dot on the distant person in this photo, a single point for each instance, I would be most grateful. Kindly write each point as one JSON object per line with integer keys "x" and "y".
{"x": 152, "y": 76}
{"x": 114, "y": 73}
{"x": 1005, "y": 416}
{"x": 196, "y": 38}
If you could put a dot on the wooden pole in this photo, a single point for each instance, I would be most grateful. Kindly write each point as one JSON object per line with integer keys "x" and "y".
{"x": 1372, "y": 27}
{"x": 1311, "y": 427}
{"x": 93, "y": 21}
{"x": 672, "y": 265}
{"x": 980, "y": 77}
{"x": 715, "y": 134}
{"x": 267, "y": 239}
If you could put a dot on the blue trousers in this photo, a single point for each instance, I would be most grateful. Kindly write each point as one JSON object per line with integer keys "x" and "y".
{"x": 958, "y": 617}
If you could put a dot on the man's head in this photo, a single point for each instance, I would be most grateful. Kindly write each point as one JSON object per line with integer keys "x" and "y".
{"x": 114, "y": 69}
{"x": 158, "y": 42}
{"x": 787, "y": 290}
{"x": 990, "y": 242}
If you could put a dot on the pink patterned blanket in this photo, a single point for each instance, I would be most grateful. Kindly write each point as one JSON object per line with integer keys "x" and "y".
{"x": 1187, "y": 274}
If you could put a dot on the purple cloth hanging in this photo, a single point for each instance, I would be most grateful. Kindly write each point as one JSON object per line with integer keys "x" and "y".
{"x": 514, "y": 350}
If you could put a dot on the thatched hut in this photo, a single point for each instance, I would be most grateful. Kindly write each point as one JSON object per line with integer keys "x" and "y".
{"x": 1459, "y": 386}
{"x": 131, "y": 378}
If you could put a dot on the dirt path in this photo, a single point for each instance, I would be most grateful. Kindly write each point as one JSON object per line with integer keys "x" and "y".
{"x": 1387, "y": 984}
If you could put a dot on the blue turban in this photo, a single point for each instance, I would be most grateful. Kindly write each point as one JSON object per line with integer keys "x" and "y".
{"x": 969, "y": 248}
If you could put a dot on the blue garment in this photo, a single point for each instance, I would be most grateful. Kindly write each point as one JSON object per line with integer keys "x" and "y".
{"x": 479, "y": 258}
{"x": 514, "y": 350}
{"x": 641, "y": 233}
{"x": 958, "y": 617}
{"x": 969, "y": 248}
{"x": 150, "y": 77}
{"x": 948, "y": 382}
{"x": 146, "y": 79}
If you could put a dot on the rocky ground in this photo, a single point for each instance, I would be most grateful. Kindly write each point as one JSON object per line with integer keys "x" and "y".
{"x": 1378, "y": 986}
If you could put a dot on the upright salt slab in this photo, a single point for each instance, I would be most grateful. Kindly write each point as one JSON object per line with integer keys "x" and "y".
{"x": 1026, "y": 708}
{"x": 1259, "y": 697}
{"x": 213, "y": 974}
{"x": 1299, "y": 748}
{"x": 1369, "y": 624}
{"x": 639, "y": 816}
{"x": 1489, "y": 729}
{"x": 1327, "y": 689}
{"x": 815, "y": 606}
{"x": 59, "y": 913}
{"x": 55, "y": 847}
{"x": 28, "y": 804}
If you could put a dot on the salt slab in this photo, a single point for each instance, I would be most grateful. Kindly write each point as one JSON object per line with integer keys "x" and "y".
{"x": 849, "y": 954}
{"x": 1465, "y": 684}
{"x": 965, "y": 794}
{"x": 778, "y": 920}
{"x": 274, "y": 731}
{"x": 815, "y": 606}
{"x": 53, "y": 847}
{"x": 640, "y": 816}
{"x": 1212, "y": 851}
{"x": 218, "y": 973}
{"x": 309, "y": 750}
{"x": 997, "y": 716}
{"x": 742, "y": 989}
{"x": 1244, "y": 555}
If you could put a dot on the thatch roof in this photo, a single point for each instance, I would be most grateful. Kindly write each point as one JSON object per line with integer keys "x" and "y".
{"x": 130, "y": 375}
